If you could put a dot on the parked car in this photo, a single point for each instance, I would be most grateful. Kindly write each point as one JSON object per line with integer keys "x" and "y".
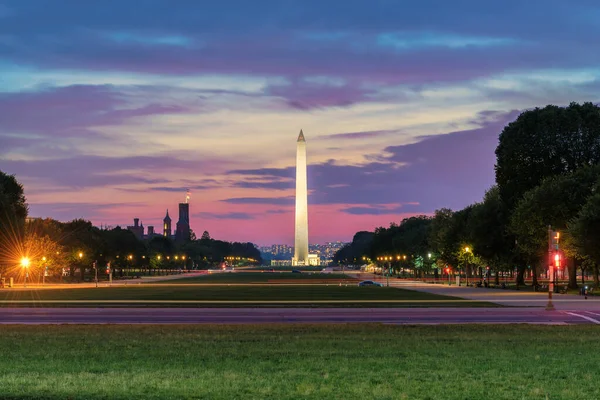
{"x": 369, "y": 283}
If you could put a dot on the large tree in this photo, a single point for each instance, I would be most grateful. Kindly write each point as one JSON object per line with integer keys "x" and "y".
{"x": 585, "y": 232}
{"x": 554, "y": 202}
{"x": 487, "y": 227}
{"x": 545, "y": 142}
{"x": 13, "y": 211}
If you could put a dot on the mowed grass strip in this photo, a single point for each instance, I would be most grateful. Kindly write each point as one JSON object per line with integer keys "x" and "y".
{"x": 262, "y": 277}
{"x": 302, "y": 295}
{"x": 367, "y": 361}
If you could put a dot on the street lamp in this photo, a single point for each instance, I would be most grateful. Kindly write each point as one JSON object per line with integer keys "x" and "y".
{"x": 25, "y": 265}
{"x": 467, "y": 250}
{"x": 45, "y": 270}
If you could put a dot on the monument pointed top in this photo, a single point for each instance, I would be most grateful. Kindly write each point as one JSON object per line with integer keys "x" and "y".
{"x": 301, "y": 137}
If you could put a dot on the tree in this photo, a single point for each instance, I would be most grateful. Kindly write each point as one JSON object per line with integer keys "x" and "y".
{"x": 545, "y": 142}
{"x": 450, "y": 234}
{"x": 205, "y": 236}
{"x": 13, "y": 211}
{"x": 555, "y": 202}
{"x": 585, "y": 231}
{"x": 356, "y": 250}
{"x": 84, "y": 244}
{"x": 488, "y": 232}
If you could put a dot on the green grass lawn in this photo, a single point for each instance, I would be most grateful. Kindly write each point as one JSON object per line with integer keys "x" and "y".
{"x": 367, "y": 361}
{"x": 260, "y": 277}
{"x": 249, "y": 295}
{"x": 288, "y": 268}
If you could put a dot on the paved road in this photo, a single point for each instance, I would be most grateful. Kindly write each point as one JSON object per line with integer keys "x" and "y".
{"x": 408, "y": 316}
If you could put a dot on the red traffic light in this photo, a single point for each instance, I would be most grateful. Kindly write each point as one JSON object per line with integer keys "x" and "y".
{"x": 557, "y": 260}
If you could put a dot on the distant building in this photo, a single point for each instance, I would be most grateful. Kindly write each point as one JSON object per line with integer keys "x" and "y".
{"x": 167, "y": 225}
{"x": 137, "y": 228}
{"x": 182, "y": 231}
{"x": 182, "y": 228}
{"x": 151, "y": 233}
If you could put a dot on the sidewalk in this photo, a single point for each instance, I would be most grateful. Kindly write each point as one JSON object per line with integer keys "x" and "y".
{"x": 506, "y": 297}
{"x": 120, "y": 282}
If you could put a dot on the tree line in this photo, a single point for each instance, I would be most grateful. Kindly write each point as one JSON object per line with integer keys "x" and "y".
{"x": 52, "y": 247}
{"x": 547, "y": 174}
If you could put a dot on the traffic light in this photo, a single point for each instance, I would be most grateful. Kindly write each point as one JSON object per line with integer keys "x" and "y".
{"x": 557, "y": 260}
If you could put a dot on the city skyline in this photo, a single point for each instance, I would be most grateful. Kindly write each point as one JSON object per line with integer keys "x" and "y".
{"x": 111, "y": 116}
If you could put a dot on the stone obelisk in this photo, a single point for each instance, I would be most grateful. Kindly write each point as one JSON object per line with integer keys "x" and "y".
{"x": 301, "y": 242}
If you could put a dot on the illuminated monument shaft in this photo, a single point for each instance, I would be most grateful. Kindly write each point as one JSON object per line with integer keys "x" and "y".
{"x": 301, "y": 242}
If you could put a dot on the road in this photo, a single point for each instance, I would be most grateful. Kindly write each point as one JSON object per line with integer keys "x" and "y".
{"x": 409, "y": 316}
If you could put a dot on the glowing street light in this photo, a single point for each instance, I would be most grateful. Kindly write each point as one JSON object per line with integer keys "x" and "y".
{"x": 25, "y": 265}
{"x": 80, "y": 255}
{"x": 467, "y": 250}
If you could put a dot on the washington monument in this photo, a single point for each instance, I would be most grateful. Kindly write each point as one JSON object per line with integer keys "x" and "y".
{"x": 301, "y": 242}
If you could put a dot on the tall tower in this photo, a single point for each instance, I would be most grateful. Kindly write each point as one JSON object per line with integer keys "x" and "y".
{"x": 167, "y": 225}
{"x": 301, "y": 242}
{"x": 182, "y": 230}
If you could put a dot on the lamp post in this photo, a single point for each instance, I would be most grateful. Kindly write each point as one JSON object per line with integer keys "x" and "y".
{"x": 387, "y": 275}
{"x": 25, "y": 265}
{"x": 80, "y": 255}
{"x": 96, "y": 272}
{"x": 45, "y": 269}
{"x": 467, "y": 251}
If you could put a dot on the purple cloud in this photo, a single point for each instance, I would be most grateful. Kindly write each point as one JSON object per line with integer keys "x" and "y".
{"x": 275, "y": 184}
{"x": 90, "y": 171}
{"x": 449, "y": 170}
{"x": 231, "y": 215}
{"x": 361, "y": 135}
{"x": 378, "y": 209}
{"x": 363, "y": 42}
{"x": 305, "y": 95}
{"x": 261, "y": 200}
{"x": 69, "y": 211}
{"x": 71, "y": 110}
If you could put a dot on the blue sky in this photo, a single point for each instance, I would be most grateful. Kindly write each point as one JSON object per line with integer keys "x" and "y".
{"x": 110, "y": 110}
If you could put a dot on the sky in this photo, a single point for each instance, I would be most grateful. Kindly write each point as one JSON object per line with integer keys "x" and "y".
{"x": 110, "y": 110}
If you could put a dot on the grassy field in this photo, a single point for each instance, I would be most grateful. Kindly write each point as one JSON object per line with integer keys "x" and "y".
{"x": 288, "y": 268}
{"x": 249, "y": 295}
{"x": 299, "y": 362}
{"x": 262, "y": 277}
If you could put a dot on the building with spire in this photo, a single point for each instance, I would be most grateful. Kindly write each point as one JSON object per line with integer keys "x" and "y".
{"x": 167, "y": 225}
{"x": 182, "y": 228}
